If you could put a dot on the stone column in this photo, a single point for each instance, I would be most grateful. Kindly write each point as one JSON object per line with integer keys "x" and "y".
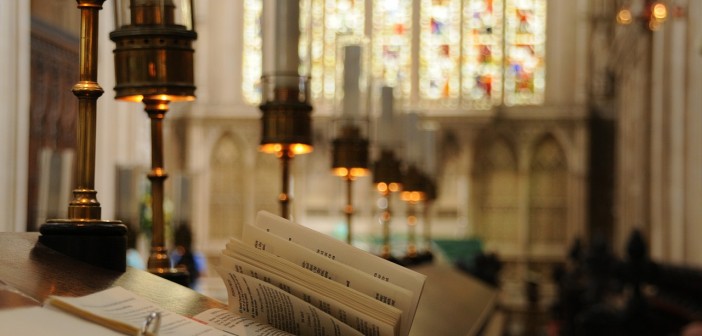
{"x": 14, "y": 121}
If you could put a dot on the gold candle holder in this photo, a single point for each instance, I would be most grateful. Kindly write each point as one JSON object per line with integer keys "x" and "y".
{"x": 83, "y": 235}
{"x": 154, "y": 65}
{"x": 387, "y": 177}
{"x": 349, "y": 161}
{"x": 286, "y": 125}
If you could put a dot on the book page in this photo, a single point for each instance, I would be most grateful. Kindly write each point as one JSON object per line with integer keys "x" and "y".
{"x": 124, "y": 311}
{"x": 236, "y": 325}
{"x": 369, "y": 285}
{"x": 359, "y": 320}
{"x": 334, "y": 249}
{"x": 268, "y": 304}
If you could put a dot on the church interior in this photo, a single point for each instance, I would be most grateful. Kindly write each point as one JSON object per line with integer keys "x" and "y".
{"x": 559, "y": 144}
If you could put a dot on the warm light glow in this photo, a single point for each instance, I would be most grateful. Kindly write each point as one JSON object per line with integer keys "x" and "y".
{"x": 382, "y": 187}
{"x": 412, "y": 196}
{"x": 385, "y": 187}
{"x": 164, "y": 97}
{"x": 352, "y": 173}
{"x": 659, "y": 12}
{"x": 658, "y": 15}
{"x": 277, "y": 148}
{"x": 624, "y": 16}
{"x": 394, "y": 187}
{"x": 340, "y": 171}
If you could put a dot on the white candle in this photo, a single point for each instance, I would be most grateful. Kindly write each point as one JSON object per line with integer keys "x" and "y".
{"x": 287, "y": 36}
{"x": 386, "y": 127}
{"x": 352, "y": 70}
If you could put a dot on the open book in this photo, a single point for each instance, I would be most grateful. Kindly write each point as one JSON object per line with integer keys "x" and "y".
{"x": 304, "y": 282}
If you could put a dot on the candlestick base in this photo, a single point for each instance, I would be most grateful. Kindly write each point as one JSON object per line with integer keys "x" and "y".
{"x": 101, "y": 243}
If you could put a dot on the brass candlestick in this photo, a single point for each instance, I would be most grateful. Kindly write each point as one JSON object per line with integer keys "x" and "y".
{"x": 154, "y": 65}
{"x": 387, "y": 177}
{"x": 349, "y": 161}
{"x": 286, "y": 125}
{"x": 84, "y": 235}
{"x": 413, "y": 193}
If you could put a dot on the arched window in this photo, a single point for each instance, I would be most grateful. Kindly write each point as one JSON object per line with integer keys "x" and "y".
{"x": 467, "y": 54}
{"x": 548, "y": 194}
{"x": 497, "y": 199}
{"x": 226, "y": 198}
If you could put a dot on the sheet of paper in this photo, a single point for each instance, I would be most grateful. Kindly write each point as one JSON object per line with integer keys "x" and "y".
{"x": 268, "y": 304}
{"x": 125, "y": 311}
{"x": 347, "y": 254}
{"x": 41, "y": 321}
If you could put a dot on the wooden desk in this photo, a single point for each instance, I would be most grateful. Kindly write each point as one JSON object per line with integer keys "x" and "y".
{"x": 37, "y": 271}
{"x": 452, "y": 304}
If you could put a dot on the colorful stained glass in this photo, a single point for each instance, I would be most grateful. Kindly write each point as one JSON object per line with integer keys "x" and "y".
{"x": 525, "y": 47}
{"x": 440, "y": 37}
{"x": 392, "y": 44}
{"x": 329, "y": 19}
{"x": 472, "y": 54}
{"x": 251, "y": 57}
{"x": 481, "y": 66}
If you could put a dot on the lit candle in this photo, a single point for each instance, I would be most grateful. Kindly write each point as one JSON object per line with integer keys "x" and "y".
{"x": 352, "y": 69}
{"x": 287, "y": 36}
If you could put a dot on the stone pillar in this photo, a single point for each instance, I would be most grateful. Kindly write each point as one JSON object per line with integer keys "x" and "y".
{"x": 14, "y": 121}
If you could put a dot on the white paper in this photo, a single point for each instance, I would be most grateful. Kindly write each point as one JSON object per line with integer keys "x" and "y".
{"x": 41, "y": 321}
{"x": 119, "y": 304}
{"x": 347, "y": 254}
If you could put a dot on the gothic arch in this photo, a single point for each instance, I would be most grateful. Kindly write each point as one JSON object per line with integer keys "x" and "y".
{"x": 548, "y": 193}
{"x": 227, "y": 201}
{"x": 497, "y": 203}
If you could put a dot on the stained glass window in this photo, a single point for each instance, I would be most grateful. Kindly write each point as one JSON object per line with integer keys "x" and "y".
{"x": 392, "y": 44}
{"x": 329, "y": 19}
{"x": 525, "y": 37}
{"x": 481, "y": 66}
{"x": 439, "y": 50}
{"x": 252, "y": 58}
{"x": 470, "y": 54}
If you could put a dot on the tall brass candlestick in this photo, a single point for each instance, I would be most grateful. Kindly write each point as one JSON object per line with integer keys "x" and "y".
{"x": 158, "y": 262}
{"x": 349, "y": 161}
{"x": 84, "y": 235}
{"x": 286, "y": 125}
{"x": 154, "y": 65}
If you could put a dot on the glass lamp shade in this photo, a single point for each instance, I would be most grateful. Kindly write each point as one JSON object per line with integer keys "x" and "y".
{"x": 154, "y": 53}
{"x": 413, "y": 185}
{"x": 386, "y": 171}
{"x": 350, "y": 149}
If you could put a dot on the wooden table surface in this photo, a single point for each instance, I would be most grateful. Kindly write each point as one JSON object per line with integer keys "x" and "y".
{"x": 452, "y": 303}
